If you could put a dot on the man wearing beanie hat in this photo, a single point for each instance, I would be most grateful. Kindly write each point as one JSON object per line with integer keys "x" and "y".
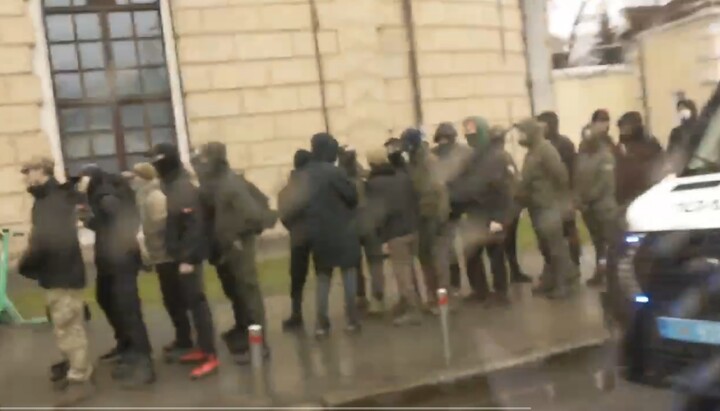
{"x": 152, "y": 206}
{"x": 434, "y": 206}
{"x": 543, "y": 186}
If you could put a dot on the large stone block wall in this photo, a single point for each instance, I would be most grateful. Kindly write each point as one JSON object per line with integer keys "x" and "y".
{"x": 20, "y": 110}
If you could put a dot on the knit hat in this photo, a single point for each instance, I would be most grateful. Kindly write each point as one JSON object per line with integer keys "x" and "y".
{"x": 445, "y": 131}
{"x": 600, "y": 115}
{"x": 146, "y": 171}
{"x": 377, "y": 157}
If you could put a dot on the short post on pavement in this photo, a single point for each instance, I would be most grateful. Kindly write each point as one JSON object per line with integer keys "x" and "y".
{"x": 442, "y": 298}
{"x": 255, "y": 335}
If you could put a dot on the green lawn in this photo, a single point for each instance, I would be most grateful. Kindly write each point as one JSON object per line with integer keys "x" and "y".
{"x": 274, "y": 278}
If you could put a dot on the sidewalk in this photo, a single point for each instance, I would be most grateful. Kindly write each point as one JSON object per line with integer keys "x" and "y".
{"x": 334, "y": 371}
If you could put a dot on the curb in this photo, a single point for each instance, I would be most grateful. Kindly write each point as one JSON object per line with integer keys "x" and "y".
{"x": 397, "y": 393}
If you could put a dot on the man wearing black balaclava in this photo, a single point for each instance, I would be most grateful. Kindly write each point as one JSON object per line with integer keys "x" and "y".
{"x": 640, "y": 161}
{"x": 116, "y": 222}
{"x": 237, "y": 220}
{"x": 566, "y": 149}
{"x": 186, "y": 244}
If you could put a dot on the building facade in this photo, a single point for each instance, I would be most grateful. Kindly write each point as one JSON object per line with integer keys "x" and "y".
{"x": 100, "y": 81}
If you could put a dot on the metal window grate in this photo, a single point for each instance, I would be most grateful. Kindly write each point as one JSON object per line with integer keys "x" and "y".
{"x": 112, "y": 92}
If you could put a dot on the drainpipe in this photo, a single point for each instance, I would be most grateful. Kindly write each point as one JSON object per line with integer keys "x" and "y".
{"x": 319, "y": 64}
{"x": 643, "y": 85}
{"x": 528, "y": 75}
{"x": 408, "y": 20}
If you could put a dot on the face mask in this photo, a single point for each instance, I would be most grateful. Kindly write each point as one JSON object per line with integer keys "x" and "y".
{"x": 685, "y": 114}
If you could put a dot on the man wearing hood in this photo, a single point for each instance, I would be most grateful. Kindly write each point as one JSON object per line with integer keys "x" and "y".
{"x": 116, "y": 223}
{"x": 53, "y": 259}
{"x": 394, "y": 149}
{"x": 483, "y": 192}
{"x": 152, "y": 206}
{"x": 371, "y": 245}
{"x": 680, "y": 144}
{"x": 185, "y": 240}
{"x": 542, "y": 189}
{"x": 566, "y": 149}
{"x": 640, "y": 163}
{"x": 237, "y": 220}
{"x": 594, "y": 195}
{"x": 290, "y": 198}
{"x": 332, "y": 229}
{"x": 434, "y": 205}
{"x": 452, "y": 159}
{"x": 497, "y": 142}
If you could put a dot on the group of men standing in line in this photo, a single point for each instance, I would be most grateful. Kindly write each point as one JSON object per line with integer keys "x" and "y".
{"x": 159, "y": 216}
{"x": 413, "y": 202}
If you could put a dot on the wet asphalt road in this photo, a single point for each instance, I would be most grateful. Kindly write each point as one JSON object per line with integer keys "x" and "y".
{"x": 569, "y": 382}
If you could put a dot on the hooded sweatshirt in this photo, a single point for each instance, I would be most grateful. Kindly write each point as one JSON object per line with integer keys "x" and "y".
{"x": 545, "y": 182}
{"x": 562, "y": 144}
{"x": 423, "y": 168}
{"x": 152, "y": 206}
{"x": 185, "y": 235}
{"x": 483, "y": 189}
{"x": 640, "y": 162}
{"x": 293, "y": 196}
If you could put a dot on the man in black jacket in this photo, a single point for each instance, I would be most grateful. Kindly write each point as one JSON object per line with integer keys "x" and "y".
{"x": 680, "y": 144}
{"x": 54, "y": 260}
{"x": 116, "y": 222}
{"x": 186, "y": 243}
{"x": 289, "y": 200}
{"x": 566, "y": 149}
{"x": 334, "y": 240}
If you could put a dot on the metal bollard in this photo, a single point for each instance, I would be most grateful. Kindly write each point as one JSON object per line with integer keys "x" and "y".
{"x": 255, "y": 336}
{"x": 442, "y": 297}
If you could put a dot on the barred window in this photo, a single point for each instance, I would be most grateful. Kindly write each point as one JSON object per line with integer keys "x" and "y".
{"x": 112, "y": 92}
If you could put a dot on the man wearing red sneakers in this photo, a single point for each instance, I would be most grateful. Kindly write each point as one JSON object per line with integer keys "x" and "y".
{"x": 187, "y": 245}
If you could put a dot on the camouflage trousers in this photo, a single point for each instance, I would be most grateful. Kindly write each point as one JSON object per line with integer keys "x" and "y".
{"x": 67, "y": 312}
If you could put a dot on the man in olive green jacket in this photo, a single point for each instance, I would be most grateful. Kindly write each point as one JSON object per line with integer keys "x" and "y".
{"x": 434, "y": 212}
{"x": 543, "y": 190}
{"x": 594, "y": 195}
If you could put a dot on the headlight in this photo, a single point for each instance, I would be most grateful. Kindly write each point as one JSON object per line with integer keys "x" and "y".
{"x": 626, "y": 268}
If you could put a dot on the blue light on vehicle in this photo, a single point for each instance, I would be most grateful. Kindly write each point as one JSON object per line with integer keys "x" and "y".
{"x": 633, "y": 238}
{"x": 642, "y": 299}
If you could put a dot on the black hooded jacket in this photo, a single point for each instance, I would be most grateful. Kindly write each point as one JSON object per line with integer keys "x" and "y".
{"x": 293, "y": 196}
{"x": 392, "y": 203}
{"x": 562, "y": 144}
{"x": 185, "y": 235}
{"x": 115, "y": 218}
{"x": 640, "y": 160}
{"x": 330, "y": 208}
{"x": 53, "y": 256}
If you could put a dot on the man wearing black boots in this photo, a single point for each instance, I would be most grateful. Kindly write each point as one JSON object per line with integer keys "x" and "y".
{"x": 290, "y": 199}
{"x": 116, "y": 223}
{"x": 186, "y": 244}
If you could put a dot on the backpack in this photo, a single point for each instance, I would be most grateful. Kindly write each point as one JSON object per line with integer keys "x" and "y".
{"x": 269, "y": 217}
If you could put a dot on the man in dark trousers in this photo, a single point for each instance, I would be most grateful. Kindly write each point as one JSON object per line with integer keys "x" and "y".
{"x": 566, "y": 149}
{"x": 186, "y": 243}
{"x": 237, "y": 220}
{"x": 54, "y": 260}
{"x": 290, "y": 198}
{"x": 483, "y": 192}
{"x": 497, "y": 142}
{"x": 334, "y": 240}
{"x": 116, "y": 223}
{"x": 640, "y": 163}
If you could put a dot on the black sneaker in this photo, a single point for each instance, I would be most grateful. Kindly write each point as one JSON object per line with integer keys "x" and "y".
{"x": 521, "y": 278}
{"x": 294, "y": 322}
{"x": 75, "y": 393}
{"x": 111, "y": 356}
{"x": 139, "y": 375}
{"x": 244, "y": 358}
{"x": 58, "y": 371}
